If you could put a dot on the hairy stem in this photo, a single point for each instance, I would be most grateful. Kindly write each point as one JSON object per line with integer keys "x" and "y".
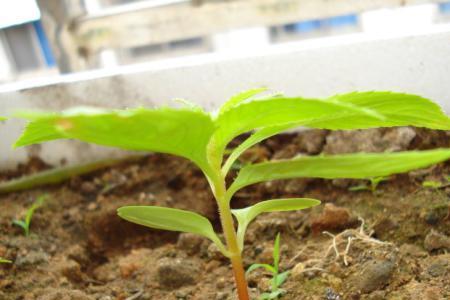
{"x": 231, "y": 240}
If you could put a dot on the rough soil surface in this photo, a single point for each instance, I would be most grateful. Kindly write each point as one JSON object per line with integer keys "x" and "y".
{"x": 390, "y": 244}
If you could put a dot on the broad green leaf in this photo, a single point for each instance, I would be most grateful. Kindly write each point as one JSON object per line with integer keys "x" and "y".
{"x": 268, "y": 268}
{"x": 349, "y": 111}
{"x": 246, "y": 215}
{"x": 40, "y": 130}
{"x": 360, "y": 165}
{"x": 180, "y": 132}
{"x": 276, "y": 252}
{"x": 397, "y": 109}
{"x": 241, "y": 97}
{"x": 2, "y": 118}
{"x": 171, "y": 219}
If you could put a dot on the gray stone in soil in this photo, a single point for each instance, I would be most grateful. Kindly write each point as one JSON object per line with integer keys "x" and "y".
{"x": 370, "y": 140}
{"x": 439, "y": 268}
{"x": 175, "y": 272}
{"x": 436, "y": 241}
{"x": 190, "y": 242}
{"x": 375, "y": 275}
{"x": 34, "y": 257}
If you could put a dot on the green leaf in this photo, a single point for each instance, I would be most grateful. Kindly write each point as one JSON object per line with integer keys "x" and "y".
{"x": 42, "y": 130}
{"x": 180, "y": 132}
{"x": 397, "y": 109}
{"x": 276, "y": 252}
{"x": 25, "y": 224}
{"x": 272, "y": 295}
{"x": 241, "y": 97}
{"x": 360, "y": 165}
{"x": 37, "y": 204}
{"x": 22, "y": 224}
{"x": 349, "y": 111}
{"x": 58, "y": 175}
{"x": 2, "y": 118}
{"x": 361, "y": 187}
{"x": 171, "y": 219}
{"x": 255, "y": 138}
{"x": 246, "y": 215}
{"x": 432, "y": 184}
{"x": 5, "y": 261}
{"x": 268, "y": 268}
{"x": 281, "y": 278}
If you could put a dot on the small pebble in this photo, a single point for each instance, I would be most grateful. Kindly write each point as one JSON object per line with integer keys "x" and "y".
{"x": 333, "y": 218}
{"x": 175, "y": 272}
{"x": 374, "y": 275}
{"x": 436, "y": 241}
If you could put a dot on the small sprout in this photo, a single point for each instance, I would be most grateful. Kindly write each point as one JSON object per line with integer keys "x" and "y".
{"x": 432, "y": 184}
{"x": 5, "y": 261}
{"x": 373, "y": 185}
{"x": 277, "y": 278}
{"x": 435, "y": 184}
{"x": 25, "y": 224}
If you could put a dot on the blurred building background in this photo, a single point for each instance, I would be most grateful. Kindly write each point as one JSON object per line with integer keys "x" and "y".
{"x": 50, "y": 37}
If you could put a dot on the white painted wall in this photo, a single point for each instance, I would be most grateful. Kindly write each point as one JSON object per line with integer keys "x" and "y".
{"x": 417, "y": 63}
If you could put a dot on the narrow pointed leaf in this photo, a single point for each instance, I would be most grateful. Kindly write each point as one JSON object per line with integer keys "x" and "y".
{"x": 5, "y": 261}
{"x": 240, "y": 97}
{"x": 255, "y": 138}
{"x": 276, "y": 252}
{"x": 281, "y": 278}
{"x": 253, "y": 267}
{"x": 37, "y": 204}
{"x": 180, "y": 132}
{"x": 246, "y": 215}
{"x": 171, "y": 219}
{"x": 59, "y": 174}
{"x": 360, "y": 165}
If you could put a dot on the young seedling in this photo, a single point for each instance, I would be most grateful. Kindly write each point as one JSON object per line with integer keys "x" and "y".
{"x": 5, "y": 261}
{"x": 25, "y": 223}
{"x": 277, "y": 278}
{"x": 201, "y": 137}
{"x": 373, "y": 184}
{"x": 434, "y": 184}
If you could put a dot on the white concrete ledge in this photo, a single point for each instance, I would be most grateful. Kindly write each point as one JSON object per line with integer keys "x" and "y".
{"x": 416, "y": 63}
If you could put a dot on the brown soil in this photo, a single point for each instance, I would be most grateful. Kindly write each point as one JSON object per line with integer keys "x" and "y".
{"x": 390, "y": 244}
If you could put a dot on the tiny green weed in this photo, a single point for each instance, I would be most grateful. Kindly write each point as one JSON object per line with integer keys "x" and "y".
{"x": 372, "y": 186}
{"x": 25, "y": 223}
{"x": 432, "y": 184}
{"x": 437, "y": 184}
{"x": 5, "y": 261}
{"x": 277, "y": 278}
